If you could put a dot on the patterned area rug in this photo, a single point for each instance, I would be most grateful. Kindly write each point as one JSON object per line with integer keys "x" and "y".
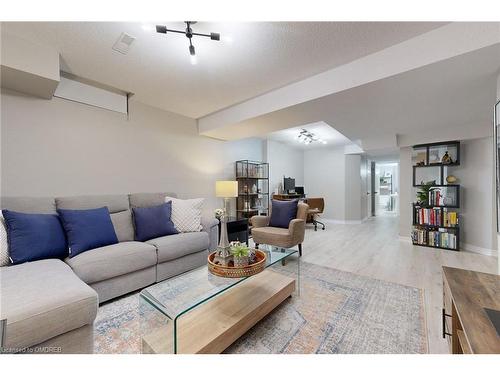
{"x": 337, "y": 312}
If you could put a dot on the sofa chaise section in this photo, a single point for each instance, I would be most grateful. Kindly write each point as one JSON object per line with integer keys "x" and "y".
{"x": 44, "y": 301}
{"x": 99, "y": 267}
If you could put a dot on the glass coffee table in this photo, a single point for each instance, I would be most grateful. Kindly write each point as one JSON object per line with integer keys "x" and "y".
{"x": 198, "y": 312}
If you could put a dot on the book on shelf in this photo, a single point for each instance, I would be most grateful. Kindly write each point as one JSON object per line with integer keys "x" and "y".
{"x": 438, "y": 198}
{"x": 450, "y": 218}
{"x": 436, "y": 238}
{"x": 432, "y": 216}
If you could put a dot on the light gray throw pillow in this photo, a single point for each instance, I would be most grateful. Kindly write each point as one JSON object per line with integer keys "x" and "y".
{"x": 124, "y": 228}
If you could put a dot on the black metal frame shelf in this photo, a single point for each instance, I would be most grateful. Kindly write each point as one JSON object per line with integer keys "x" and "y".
{"x": 249, "y": 172}
{"x": 442, "y": 208}
{"x": 435, "y": 226}
{"x": 440, "y": 185}
{"x": 435, "y": 247}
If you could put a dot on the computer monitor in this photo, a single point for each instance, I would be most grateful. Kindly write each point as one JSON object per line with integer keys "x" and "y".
{"x": 299, "y": 190}
{"x": 288, "y": 184}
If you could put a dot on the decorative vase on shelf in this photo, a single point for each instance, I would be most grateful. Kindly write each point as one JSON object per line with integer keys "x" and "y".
{"x": 446, "y": 159}
{"x": 451, "y": 179}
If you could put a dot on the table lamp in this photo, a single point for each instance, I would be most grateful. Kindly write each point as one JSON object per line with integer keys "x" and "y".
{"x": 226, "y": 190}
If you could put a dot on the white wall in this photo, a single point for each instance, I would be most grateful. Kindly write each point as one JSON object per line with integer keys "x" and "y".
{"x": 353, "y": 184}
{"x": 57, "y": 147}
{"x": 406, "y": 195}
{"x": 365, "y": 186}
{"x": 284, "y": 160}
{"x": 324, "y": 176}
{"x": 338, "y": 178}
{"x": 476, "y": 199}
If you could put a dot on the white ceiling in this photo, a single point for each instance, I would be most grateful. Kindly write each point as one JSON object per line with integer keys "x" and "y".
{"x": 260, "y": 58}
{"x": 455, "y": 93}
{"x": 320, "y": 129}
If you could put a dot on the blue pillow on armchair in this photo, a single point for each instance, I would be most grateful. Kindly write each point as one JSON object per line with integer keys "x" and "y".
{"x": 87, "y": 229}
{"x": 153, "y": 222}
{"x": 34, "y": 236}
{"x": 282, "y": 212}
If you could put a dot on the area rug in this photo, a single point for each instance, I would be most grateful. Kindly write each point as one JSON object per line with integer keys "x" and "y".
{"x": 336, "y": 312}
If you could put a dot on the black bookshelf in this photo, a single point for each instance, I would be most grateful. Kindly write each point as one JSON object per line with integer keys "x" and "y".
{"x": 437, "y": 221}
{"x": 253, "y": 188}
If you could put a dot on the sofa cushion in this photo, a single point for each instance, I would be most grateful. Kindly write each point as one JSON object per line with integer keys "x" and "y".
{"x": 282, "y": 212}
{"x": 148, "y": 199}
{"x": 43, "y": 299}
{"x": 4, "y": 245}
{"x": 111, "y": 261}
{"x": 152, "y": 222}
{"x": 186, "y": 213}
{"x": 114, "y": 203}
{"x": 29, "y": 205}
{"x": 179, "y": 245}
{"x": 87, "y": 229}
{"x": 34, "y": 236}
{"x": 273, "y": 236}
{"x": 124, "y": 227}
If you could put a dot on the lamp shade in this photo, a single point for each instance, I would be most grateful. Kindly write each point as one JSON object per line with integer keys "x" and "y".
{"x": 226, "y": 189}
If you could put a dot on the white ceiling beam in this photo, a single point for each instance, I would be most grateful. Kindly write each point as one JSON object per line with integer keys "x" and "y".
{"x": 440, "y": 44}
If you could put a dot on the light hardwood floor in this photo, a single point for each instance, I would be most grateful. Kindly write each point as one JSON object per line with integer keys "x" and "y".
{"x": 373, "y": 249}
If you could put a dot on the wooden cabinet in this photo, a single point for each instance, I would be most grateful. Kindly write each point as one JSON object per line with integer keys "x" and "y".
{"x": 465, "y": 323}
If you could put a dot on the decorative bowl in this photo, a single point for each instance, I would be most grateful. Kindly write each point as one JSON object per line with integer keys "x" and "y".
{"x": 451, "y": 179}
{"x": 236, "y": 272}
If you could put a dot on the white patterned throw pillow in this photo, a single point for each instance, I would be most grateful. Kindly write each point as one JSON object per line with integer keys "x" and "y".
{"x": 186, "y": 214}
{"x": 4, "y": 246}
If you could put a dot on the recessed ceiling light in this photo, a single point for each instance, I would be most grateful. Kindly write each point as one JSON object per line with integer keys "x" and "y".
{"x": 147, "y": 27}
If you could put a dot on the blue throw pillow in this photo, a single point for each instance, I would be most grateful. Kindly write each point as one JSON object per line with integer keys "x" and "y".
{"x": 283, "y": 212}
{"x": 153, "y": 222}
{"x": 34, "y": 236}
{"x": 87, "y": 229}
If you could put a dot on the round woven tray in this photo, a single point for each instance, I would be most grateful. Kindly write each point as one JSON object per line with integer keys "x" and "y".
{"x": 236, "y": 272}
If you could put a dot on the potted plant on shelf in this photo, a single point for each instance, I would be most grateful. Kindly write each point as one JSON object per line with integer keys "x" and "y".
{"x": 241, "y": 255}
{"x": 423, "y": 193}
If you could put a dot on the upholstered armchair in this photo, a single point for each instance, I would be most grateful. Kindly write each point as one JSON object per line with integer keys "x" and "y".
{"x": 262, "y": 233}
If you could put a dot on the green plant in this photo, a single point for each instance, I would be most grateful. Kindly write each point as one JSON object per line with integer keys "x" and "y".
{"x": 425, "y": 189}
{"x": 240, "y": 251}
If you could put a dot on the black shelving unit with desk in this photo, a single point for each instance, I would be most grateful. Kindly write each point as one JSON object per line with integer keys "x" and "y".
{"x": 436, "y": 222}
{"x": 253, "y": 188}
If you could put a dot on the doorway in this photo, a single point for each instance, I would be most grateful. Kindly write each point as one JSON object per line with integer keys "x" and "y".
{"x": 383, "y": 193}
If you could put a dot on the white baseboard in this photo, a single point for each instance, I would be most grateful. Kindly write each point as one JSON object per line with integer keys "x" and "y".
{"x": 464, "y": 246}
{"x": 479, "y": 250}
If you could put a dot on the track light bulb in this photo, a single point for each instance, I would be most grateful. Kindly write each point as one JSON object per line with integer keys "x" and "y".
{"x": 191, "y": 50}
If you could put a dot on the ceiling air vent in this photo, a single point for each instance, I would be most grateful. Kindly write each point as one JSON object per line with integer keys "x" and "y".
{"x": 123, "y": 43}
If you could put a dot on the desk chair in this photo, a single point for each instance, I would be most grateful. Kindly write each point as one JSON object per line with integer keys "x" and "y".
{"x": 316, "y": 207}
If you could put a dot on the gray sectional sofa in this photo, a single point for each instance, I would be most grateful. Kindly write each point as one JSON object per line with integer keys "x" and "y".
{"x": 53, "y": 303}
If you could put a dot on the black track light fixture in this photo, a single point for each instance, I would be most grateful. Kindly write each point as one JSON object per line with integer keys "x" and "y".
{"x": 189, "y": 34}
